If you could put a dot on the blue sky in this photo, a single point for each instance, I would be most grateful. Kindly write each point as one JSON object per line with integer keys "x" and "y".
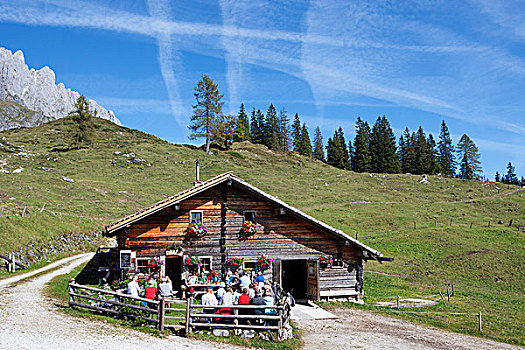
{"x": 417, "y": 62}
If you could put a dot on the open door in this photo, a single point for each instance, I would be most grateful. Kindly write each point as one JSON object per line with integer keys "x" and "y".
{"x": 174, "y": 271}
{"x": 312, "y": 279}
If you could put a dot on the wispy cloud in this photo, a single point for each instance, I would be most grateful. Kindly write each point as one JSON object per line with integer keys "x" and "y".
{"x": 341, "y": 50}
{"x": 169, "y": 59}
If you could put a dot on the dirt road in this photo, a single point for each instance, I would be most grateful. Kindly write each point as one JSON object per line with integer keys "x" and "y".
{"x": 29, "y": 321}
{"x": 357, "y": 329}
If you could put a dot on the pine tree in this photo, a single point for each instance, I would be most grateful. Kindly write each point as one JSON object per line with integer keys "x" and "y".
{"x": 284, "y": 124}
{"x": 344, "y": 159}
{"x": 383, "y": 156}
{"x": 242, "y": 126}
{"x": 318, "y": 145}
{"x": 305, "y": 145}
{"x": 362, "y": 156}
{"x": 82, "y": 118}
{"x": 497, "y": 177}
{"x": 254, "y": 127}
{"x": 432, "y": 166}
{"x": 447, "y": 162}
{"x": 420, "y": 153}
{"x": 272, "y": 138}
{"x": 351, "y": 154}
{"x": 470, "y": 165}
{"x": 296, "y": 132}
{"x": 207, "y": 109}
{"x": 510, "y": 177}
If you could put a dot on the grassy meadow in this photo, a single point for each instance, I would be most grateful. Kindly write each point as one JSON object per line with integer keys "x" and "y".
{"x": 451, "y": 243}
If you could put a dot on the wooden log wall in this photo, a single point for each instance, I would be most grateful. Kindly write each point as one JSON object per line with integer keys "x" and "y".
{"x": 280, "y": 236}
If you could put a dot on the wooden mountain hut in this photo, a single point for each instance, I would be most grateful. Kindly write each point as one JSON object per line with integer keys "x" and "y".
{"x": 212, "y": 221}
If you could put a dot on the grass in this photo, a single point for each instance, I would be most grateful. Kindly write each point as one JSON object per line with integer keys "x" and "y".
{"x": 484, "y": 263}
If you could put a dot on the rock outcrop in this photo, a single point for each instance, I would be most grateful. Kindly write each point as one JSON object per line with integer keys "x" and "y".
{"x": 35, "y": 90}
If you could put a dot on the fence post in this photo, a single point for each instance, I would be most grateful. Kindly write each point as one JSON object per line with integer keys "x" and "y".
{"x": 2, "y": 210}
{"x": 415, "y": 227}
{"x": 451, "y": 221}
{"x": 188, "y": 311}
{"x": 480, "y": 321}
{"x": 397, "y": 303}
{"x": 356, "y": 236}
{"x": 43, "y": 207}
{"x": 71, "y": 298}
{"x": 280, "y": 331}
{"x": 489, "y": 223}
{"x": 435, "y": 222}
{"x": 161, "y": 314}
{"x": 24, "y": 211}
{"x": 470, "y": 225}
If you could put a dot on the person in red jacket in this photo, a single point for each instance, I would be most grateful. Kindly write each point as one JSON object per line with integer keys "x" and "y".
{"x": 151, "y": 290}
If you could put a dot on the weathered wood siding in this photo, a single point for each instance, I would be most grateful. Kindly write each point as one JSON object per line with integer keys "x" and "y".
{"x": 280, "y": 236}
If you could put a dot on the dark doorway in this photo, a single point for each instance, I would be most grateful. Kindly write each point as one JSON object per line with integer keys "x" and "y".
{"x": 174, "y": 271}
{"x": 294, "y": 278}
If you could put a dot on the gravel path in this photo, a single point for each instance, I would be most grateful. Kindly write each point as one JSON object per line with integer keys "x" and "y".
{"x": 28, "y": 321}
{"x": 357, "y": 329}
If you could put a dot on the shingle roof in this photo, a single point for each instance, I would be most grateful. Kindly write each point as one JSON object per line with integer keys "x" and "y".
{"x": 230, "y": 177}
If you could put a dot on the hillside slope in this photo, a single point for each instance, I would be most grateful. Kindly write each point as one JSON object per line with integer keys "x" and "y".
{"x": 125, "y": 170}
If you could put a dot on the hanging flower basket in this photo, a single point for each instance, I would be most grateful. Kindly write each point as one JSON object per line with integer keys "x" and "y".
{"x": 249, "y": 229}
{"x": 234, "y": 263}
{"x": 264, "y": 263}
{"x": 155, "y": 263}
{"x": 197, "y": 228}
{"x": 192, "y": 261}
{"x": 325, "y": 260}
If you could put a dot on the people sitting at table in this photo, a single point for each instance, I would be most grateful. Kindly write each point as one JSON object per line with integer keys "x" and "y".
{"x": 215, "y": 278}
{"x": 268, "y": 300}
{"x": 229, "y": 277}
{"x": 251, "y": 290}
{"x": 150, "y": 290}
{"x": 165, "y": 287}
{"x": 244, "y": 298}
{"x": 192, "y": 279}
{"x": 258, "y": 300}
{"x": 203, "y": 278}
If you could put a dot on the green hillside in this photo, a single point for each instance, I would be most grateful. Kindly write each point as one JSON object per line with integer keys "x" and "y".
{"x": 125, "y": 170}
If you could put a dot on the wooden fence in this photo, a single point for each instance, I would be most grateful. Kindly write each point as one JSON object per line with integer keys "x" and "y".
{"x": 187, "y": 319}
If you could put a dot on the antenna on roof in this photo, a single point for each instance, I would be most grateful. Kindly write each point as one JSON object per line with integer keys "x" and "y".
{"x": 197, "y": 171}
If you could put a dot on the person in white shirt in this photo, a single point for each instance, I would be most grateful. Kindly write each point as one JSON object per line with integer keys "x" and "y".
{"x": 133, "y": 287}
{"x": 228, "y": 298}
{"x": 221, "y": 291}
{"x": 245, "y": 281}
{"x": 209, "y": 299}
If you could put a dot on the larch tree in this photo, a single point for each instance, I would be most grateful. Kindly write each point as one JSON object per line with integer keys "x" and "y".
{"x": 318, "y": 145}
{"x": 206, "y": 111}
{"x": 469, "y": 165}
{"x": 83, "y": 126}
{"x": 446, "y": 159}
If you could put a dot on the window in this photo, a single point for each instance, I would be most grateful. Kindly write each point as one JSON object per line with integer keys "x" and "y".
{"x": 195, "y": 216}
{"x": 249, "y": 265}
{"x": 249, "y": 216}
{"x": 142, "y": 265}
{"x": 338, "y": 261}
{"x": 206, "y": 263}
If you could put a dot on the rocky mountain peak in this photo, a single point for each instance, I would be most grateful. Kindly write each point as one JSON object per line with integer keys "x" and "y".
{"x": 37, "y": 91}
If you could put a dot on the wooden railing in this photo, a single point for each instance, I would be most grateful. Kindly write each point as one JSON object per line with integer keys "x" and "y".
{"x": 192, "y": 316}
{"x": 97, "y": 299}
{"x": 210, "y": 317}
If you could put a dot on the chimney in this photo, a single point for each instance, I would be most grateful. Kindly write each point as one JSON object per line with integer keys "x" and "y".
{"x": 197, "y": 170}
